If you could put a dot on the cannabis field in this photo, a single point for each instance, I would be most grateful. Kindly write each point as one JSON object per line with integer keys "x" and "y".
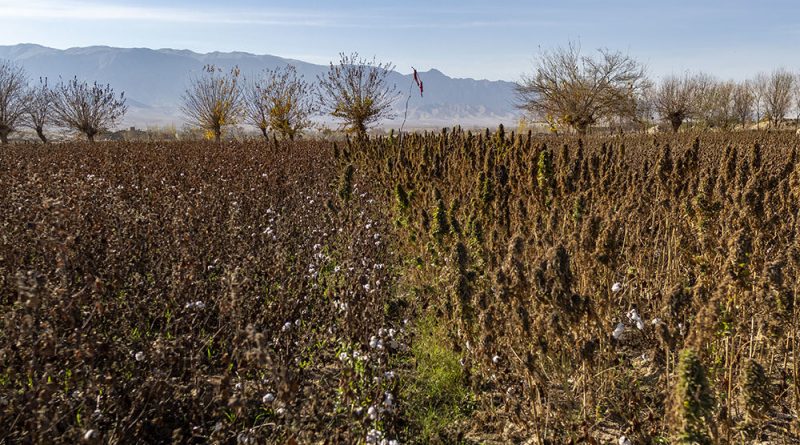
{"x": 449, "y": 288}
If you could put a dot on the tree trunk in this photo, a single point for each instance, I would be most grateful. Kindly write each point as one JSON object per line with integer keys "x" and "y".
{"x": 4, "y": 136}
{"x": 361, "y": 130}
{"x": 264, "y": 132}
{"x": 90, "y": 137}
{"x": 217, "y": 134}
{"x": 40, "y": 133}
{"x": 676, "y": 123}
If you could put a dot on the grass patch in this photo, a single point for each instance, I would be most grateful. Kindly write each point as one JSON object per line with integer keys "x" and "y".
{"x": 436, "y": 393}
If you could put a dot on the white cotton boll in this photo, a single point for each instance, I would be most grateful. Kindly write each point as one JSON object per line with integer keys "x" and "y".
{"x": 389, "y": 401}
{"x": 90, "y": 435}
{"x": 372, "y": 413}
{"x": 268, "y": 398}
{"x": 286, "y": 326}
{"x": 139, "y": 356}
{"x": 616, "y": 287}
{"x": 624, "y": 441}
{"x": 199, "y": 305}
{"x": 496, "y": 359}
{"x": 617, "y": 334}
{"x": 655, "y": 321}
{"x": 374, "y": 436}
{"x": 392, "y": 332}
{"x": 373, "y": 342}
{"x": 634, "y": 317}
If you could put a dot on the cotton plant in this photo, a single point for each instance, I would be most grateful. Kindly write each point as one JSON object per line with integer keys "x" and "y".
{"x": 634, "y": 317}
{"x": 618, "y": 331}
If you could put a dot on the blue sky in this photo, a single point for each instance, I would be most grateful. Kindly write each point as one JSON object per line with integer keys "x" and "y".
{"x": 467, "y": 38}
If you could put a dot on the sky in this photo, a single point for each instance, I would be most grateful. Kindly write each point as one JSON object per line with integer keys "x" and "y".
{"x": 467, "y": 38}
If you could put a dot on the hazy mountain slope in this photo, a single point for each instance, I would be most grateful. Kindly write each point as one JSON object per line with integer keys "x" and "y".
{"x": 154, "y": 80}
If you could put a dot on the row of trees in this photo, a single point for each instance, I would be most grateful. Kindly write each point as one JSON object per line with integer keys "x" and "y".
{"x": 567, "y": 88}
{"x": 574, "y": 90}
{"x": 355, "y": 91}
{"x": 724, "y": 104}
{"x": 87, "y": 108}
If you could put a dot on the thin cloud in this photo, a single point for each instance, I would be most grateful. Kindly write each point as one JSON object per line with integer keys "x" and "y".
{"x": 92, "y": 11}
{"x": 49, "y": 9}
{"x": 466, "y": 24}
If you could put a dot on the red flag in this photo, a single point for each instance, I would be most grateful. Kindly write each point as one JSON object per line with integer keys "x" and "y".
{"x": 418, "y": 81}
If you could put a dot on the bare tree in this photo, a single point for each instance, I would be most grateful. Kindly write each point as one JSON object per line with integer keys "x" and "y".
{"x": 797, "y": 100}
{"x": 715, "y": 102}
{"x": 13, "y": 81}
{"x": 640, "y": 116}
{"x": 38, "y": 110}
{"x": 214, "y": 100}
{"x": 743, "y": 101}
{"x": 279, "y": 101}
{"x": 642, "y": 113}
{"x": 356, "y": 91}
{"x": 87, "y": 108}
{"x": 775, "y": 90}
{"x": 676, "y": 98}
{"x": 579, "y": 90}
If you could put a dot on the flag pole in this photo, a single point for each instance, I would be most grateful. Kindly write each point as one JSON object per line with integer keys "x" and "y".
{"x": 415, "y": 80}
{"x": 405, "y": 115}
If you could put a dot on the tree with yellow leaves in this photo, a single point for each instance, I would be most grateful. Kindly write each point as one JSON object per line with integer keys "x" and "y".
{"x": 279, "y": 101}
{"x": 214, "y": 100}
{"x": 356, "y": 91}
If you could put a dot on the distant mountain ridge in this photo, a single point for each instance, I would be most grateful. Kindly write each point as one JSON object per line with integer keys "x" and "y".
{"x": 154, "y": 80}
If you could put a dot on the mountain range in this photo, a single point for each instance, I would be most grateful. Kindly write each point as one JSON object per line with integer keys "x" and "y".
{"x": 154, "y": 80}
